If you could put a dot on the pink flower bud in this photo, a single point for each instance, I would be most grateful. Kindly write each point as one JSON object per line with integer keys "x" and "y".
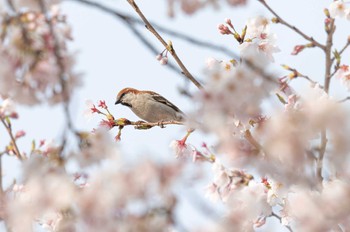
{"x": 20, "y": 134}
{"x": 164, "y": 61}
{"x": 102, "y": 104}
{"x": 159, "y": 57}
{"x": 297, "y": 49}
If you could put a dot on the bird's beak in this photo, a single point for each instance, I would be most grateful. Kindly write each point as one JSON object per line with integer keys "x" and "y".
{"x": 117, "y": 102}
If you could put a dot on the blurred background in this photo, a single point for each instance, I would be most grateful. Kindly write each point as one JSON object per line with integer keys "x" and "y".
{"x": 111, "y": 57}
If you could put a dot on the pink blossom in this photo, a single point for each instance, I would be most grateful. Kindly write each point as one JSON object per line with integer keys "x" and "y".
{"x": 190, "y": 6}
{"x": 180, "y": 148}
{"x": 102, "y": 104}
{"x": 20, "y": 134}
{"x": 298, "y": 49}
{"x": 7, "y": 107}
{"x": 159, "y": 57}
{"x": 343, "y": 74}
{"x": 224, "y": 29}
{"x": 164, "y": 60}
{"x": 236, "y": 2}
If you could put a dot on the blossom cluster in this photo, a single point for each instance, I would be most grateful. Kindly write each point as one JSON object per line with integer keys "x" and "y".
{"x": 36, "y": 66}
{"x": 339, "y": 9}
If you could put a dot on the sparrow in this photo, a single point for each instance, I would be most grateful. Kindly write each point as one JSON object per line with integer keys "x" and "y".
{"x": 149, "y": 106}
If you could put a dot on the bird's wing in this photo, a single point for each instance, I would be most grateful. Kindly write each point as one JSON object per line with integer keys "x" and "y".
{"x": 161, "y": 99}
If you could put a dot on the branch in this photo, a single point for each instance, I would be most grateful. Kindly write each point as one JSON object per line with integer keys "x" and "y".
{"x": 343, "y": 49}
{"x": 294, "y": 28}
{"x": 344, "y": 99}
{"x": 169, "y": 48}
{"x": 13, "y": 140}
{"x": 141, "y": 125}
{"x": 328, "y": 54}
{"x": 327, "y": 79}
{"x": 273, "y": 214}
{"x": 130, "y": 20}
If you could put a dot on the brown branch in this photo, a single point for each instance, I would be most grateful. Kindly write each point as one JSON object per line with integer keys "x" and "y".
{"x": 328, "y": 54}
{"x": 166, "y": 45}
{"x": 294, "y": 28}
{"x": 327, "y": 79}
{"x": 13, "y": 140}
{"x": 143, "y": 125}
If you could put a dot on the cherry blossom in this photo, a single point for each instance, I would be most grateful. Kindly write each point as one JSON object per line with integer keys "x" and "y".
{"x": 343, "y": 74}
{"x": 337, "y": 9}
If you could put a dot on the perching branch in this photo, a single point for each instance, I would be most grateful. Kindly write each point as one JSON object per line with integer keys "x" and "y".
{"x": 141, "y": 125}
{"x": 294, "y": 28}
{"x": 165, "y": 44}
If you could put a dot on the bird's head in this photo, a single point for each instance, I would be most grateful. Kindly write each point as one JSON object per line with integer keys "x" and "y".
{"x": 125, "y": 96}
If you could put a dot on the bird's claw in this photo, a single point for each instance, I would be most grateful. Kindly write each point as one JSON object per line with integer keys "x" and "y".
{"x": 161, "y": 124}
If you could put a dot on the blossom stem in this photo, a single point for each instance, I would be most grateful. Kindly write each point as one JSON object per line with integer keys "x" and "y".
{"x": 165, "y": 44}
{"x": 294, "y": 28}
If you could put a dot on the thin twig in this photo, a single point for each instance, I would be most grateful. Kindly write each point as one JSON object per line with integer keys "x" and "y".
{"x": 166, "y": 45}
{"x": 343, "y": 49}
{"x": 273, "y": 214}
{"x": 13, "y": 140}
{"x": 150, "y": 46}
{"x": 344, "y": 100}
{"x": 294, "y": 28}
{"x": 308, "y": 79}
{"x": 328, "y": 54}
